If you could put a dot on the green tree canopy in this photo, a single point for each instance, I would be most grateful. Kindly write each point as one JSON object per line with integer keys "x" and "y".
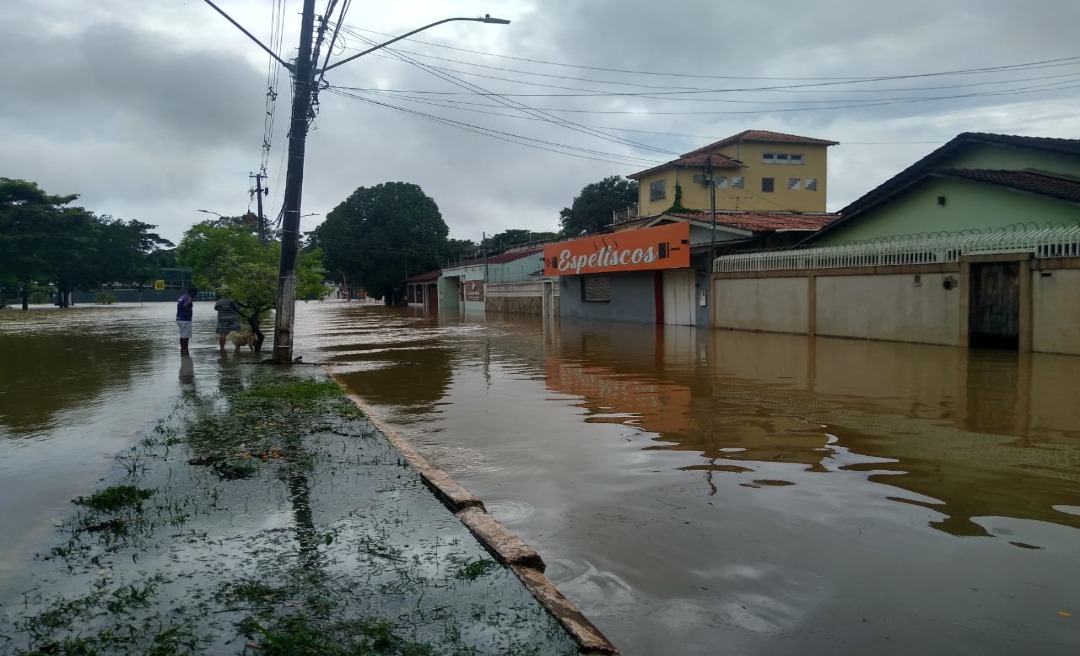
{"x": 380, "y": 235}
{"x": 228, "y": 258}
{"x": 44, "y": 240}
{"x": 592, "y": 209}
{"x": 515, "y": 237}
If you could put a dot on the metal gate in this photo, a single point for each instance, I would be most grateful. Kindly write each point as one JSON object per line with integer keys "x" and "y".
{"x": 994, "y": 305}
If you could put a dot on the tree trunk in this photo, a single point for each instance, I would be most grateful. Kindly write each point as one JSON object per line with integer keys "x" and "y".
{"x": 25, "y": 293}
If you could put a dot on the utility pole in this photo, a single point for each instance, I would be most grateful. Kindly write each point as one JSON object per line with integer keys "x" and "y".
{"x": 294, "y": 184}
{"x": 712, "y": 211}
{"x": 303, "y": 70}
{"x": 259, "y": 192}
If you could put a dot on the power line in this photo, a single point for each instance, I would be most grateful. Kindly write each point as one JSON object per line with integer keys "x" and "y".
{"x": 506, "y": 136}
{"x": 985, "y": 69}
{"x": 526, "y": 109}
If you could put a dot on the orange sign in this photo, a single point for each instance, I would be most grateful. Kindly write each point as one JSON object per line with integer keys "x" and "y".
{"x": 663, "y": 247}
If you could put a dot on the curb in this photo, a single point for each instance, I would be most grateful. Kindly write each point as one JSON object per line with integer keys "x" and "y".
{"x": 522, "y": 559}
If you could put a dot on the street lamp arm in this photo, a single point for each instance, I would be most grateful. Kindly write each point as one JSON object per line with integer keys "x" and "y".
{"x": 485, "y": 19}
{"x": 240, "y": 27}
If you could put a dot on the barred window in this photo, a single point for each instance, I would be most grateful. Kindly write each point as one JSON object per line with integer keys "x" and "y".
{"x": 658, "y": 190}
{"x": 596, "y": 289}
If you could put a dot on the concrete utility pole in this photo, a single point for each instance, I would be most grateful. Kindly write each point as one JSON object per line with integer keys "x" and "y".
{"x": 303, "y": 71}
{"x": 259, "y": 192}
{"x": 294, "y": 184}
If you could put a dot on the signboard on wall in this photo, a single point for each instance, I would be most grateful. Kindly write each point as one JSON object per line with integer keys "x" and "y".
{"x": 663, "y": 247}
{"x": 474, "y": 290}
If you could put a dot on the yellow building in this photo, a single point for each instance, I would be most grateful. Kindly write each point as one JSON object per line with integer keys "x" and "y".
{"x": 754, "y": 170}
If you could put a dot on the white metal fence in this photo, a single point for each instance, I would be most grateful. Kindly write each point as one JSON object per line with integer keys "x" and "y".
{"x": 530, "y": 288}
{"x": 913, "y": 249}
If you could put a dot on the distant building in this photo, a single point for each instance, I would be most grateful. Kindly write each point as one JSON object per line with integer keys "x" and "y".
{"x": 754, "y": 170}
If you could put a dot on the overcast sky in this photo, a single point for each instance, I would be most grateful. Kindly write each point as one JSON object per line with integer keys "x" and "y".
{"x": 155, "y": 110}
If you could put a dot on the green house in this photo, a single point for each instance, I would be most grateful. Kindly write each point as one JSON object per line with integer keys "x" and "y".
{"x": 975, "y": 182}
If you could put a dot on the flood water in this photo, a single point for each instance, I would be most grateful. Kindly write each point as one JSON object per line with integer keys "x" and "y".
{"x": 693, "y": 491}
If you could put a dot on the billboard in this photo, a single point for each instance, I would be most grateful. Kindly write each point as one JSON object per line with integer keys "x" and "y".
{"x": 663, "y": 247}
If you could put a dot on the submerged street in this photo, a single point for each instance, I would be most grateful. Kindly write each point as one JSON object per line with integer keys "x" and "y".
{"x": 692, "y": 491}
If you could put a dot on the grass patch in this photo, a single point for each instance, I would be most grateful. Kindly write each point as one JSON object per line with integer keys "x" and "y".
{"x": 116, "y": 498}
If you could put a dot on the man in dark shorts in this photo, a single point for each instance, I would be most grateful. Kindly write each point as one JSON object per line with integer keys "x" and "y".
{"x": 228, "y": 318}
{"x": 183, "y": 317}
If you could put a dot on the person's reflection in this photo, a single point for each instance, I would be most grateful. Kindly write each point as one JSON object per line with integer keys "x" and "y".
{"x": 187, "y": 370}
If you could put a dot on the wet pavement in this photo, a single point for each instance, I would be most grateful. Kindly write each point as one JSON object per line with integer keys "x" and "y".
{"x": 254, "y": 509}
{"x": 694, "y": 492}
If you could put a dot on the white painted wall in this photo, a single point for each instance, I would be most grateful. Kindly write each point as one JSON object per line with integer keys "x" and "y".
{"x": 890, "y": 307}
{"x": 771, "y": 304}
{"x": 1055, "y": 311}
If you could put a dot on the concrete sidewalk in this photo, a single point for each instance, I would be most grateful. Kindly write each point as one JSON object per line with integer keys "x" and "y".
{"x": 270, "y": 514}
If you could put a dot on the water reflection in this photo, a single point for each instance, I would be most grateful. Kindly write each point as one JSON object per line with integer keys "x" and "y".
{"x": 187, "y": 371}
{"x": 970, "y": 434}
{"x": 47, "y": 369}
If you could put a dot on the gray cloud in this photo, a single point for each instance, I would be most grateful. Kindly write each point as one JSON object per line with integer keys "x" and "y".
{"x": 153, "y": 112}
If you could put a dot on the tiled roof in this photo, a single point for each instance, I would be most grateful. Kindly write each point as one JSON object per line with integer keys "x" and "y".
{"x": 1036, "y": 182}
{"x": 764, "y": 221}
{"x": 510, "y": 256}
{"x": 762, "y": 136}
{"x": 696, "y": 160}
{"x": 950, "y": 149}
{"x": 424, "y": 277}
{"x": 697, "y": 157}
{"x": 920, "y": 169}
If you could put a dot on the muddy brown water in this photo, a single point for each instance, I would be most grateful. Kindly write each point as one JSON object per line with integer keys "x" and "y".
{"x": 693, "y": 491}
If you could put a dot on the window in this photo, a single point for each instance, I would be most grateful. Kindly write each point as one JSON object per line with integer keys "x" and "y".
{"x": 596, "y": 289}
{"x": 781, "y": 158}
{"x": 658, "y": 190}
{"x": 737, "y": 182}
{"x": 719, "y": 181}
{"x": 793, "y": 184}
{"x": 811, "y": 184}
{"x": 767, "y": 184}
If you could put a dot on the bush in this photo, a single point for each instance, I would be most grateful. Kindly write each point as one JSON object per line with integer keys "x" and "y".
{"x": 104, "y": 298}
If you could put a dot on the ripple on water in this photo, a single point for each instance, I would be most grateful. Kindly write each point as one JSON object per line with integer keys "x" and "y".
{"x": 562, "y": 570}
{"x": 509, "y": 511}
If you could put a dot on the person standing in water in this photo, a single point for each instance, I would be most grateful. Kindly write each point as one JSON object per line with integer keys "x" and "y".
{"x": 183, "y": 317}
{"x": 228, "y": 318}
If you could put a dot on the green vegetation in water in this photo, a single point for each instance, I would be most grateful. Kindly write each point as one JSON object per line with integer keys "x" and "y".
{"x": 475, "y": 569}
{"x": 104, "y": 298}
{"x": 339, "y": 550}
{"x": 116, "y": 498}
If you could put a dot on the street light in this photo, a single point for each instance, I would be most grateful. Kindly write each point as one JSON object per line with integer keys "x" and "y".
{"x": 485, "y": 19}
{"x": 221, "y": 216}
{"x": 304, "y": 72}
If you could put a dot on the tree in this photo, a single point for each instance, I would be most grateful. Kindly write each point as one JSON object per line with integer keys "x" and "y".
{"x": 45, "y": 241}
{"x": 515, "y": 237}
{"x": 380, "y": 235}
{"x": 592, "y": 209}
{"x": 230, "y": 259}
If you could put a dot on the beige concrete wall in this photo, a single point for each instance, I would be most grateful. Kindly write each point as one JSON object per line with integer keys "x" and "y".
{"x": 778, "y": 305}
{"x": 1056, "y": 311}
{"x": 889, "y": 307}
{"x": 515, "y": 305}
